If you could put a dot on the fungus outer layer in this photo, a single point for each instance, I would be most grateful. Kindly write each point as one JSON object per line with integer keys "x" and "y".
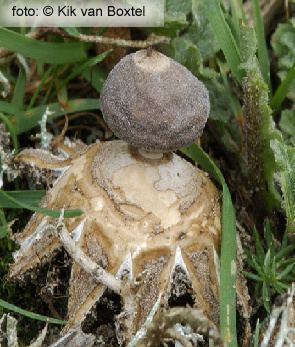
{"x": 154, "y": 103}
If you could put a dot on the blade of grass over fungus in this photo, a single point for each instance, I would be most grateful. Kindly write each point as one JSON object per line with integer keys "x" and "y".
{"x": 26, "y": 120}
{"x": 46, "y": 52}
{"x": 29, "y": 314}
{"x": 283, "y": 89}
{"x": 224, "y": 37}
{"x": 46, "y": 211}
{"x": 30, "y": 197}
{"x": 261, "y": 48}
{"x": 228, "y": 249}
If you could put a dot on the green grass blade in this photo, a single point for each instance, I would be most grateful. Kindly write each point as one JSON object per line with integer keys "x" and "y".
{"x": 2, "y": 217}
{"x": 9, "y": 108}
{"x": 259, "y": 247}
{"x": 285, "y": 160}
{"x": 283, "y": 89}
{"x": 268, "y": 237}
{"x": 29, "y": 314}
{"x": 286, "y": 271}
{"x": 266, "y": 297}
{"x": 250, "y": 261}
{"x": 228, "y": 249}
{"x": 45, "y": 211}
{"x": 88, "y": 64}
{"x": 4, "y": 225}
{"x": 267, "y": 260}
{"x": 40, "y": 86}
{"x": 281, "y": 287}
{"x": 26, "y": 120}
{"x": 19, "y": 89}
{"x": 225, "y": 37}
{"x": 96, "y": 76}
{"x": 46, "y": 52}
{"x": 262, "y": 48}
{"x": 284, "y": 252}
{"x": 3, "y": 231}
{"x": 288, "y": 189}
{"x": 256, "y": 334}
{"x": 252, "y": 276}
{"x": 30, "y": 197}
{"x": 285, "y": 262}
{"x": 237, "y": 13}
{"x": 228, "y": 272}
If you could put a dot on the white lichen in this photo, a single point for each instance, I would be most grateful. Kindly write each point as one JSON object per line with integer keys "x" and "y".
{"x": 283, "y": 317}
{"x": 45, "y": 136}
{"x": 6, "y": 157}
{"x": 8, "y": 333}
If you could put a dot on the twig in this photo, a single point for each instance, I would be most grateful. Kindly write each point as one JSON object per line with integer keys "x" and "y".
{"x": 153, "y": 40}
{"x": 97, "y": 272}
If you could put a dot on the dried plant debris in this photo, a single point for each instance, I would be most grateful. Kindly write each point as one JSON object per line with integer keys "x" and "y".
{"x": 8, "y": 333}
{"x": 75, "y": 338}
{"x": 186, "y": 327}
{"x": 281, "y": 327}
{"x": 150, "y": 232}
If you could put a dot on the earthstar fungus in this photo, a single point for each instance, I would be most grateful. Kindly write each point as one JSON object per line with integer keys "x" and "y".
{"x": 151, "y": 219}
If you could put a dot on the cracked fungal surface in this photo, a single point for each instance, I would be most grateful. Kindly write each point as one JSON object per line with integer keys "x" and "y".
{"x": 156, "y": 222}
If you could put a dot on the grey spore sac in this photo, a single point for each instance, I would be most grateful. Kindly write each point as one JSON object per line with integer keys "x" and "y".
{"x": 154, "y": 103}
